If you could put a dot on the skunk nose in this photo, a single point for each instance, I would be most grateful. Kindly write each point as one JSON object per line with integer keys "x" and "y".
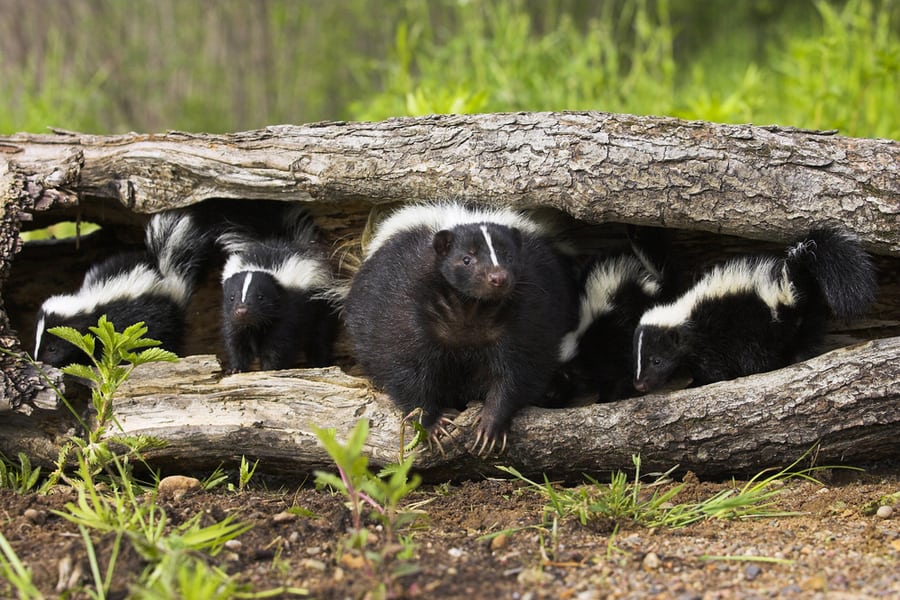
{"x": 241, "y": 311}
{"x": 641, "y": 386}
{"x": 498, "y": 278}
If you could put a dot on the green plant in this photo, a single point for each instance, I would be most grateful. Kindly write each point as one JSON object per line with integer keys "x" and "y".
{"x": 652, "y": 504}
{"x": 847, "y": 75}
{"x": 15, "y": 575}
{"x": 382, "y": 494}
{"x": 125, "y": 512}
{"x": 120, "y": 354}
{"x": 245, "y": 473}
{"x": 21, "y": 479}
{"x": 215, "y": 479}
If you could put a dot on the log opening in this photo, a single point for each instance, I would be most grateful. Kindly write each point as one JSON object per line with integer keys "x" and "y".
{"x": 599, "y": 170}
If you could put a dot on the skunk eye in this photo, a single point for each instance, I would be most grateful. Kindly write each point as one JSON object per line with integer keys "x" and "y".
{"x": 259, "y": 297}
{"x": 656, "y": 361}
{"x": 467, "y": 260}
{"x": 231, "y": 298}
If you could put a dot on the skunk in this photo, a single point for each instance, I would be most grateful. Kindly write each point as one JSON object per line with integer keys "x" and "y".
{"x": 272, "y": 309}
{"x": 452, "y": 305}
{"x": 153, "y": 286}
{"x": 614, "y": 293}
{"x": 754, "y": 314}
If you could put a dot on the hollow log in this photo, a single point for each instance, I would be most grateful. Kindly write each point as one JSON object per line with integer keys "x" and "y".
{"x": 724, "y": 188}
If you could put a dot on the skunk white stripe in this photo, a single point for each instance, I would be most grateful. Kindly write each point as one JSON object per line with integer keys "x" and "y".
{"x": 446, "y": 215}
{"x": 490, "y": 244}
{"x": 604, "y": 280}
{"x": 735, "y": 277}
{"x": 38, "y": 336}
{"x": 297, "y": 272}
{"x": 640, "y": 348}
{"x": 178, "y": 235}
{"x": 138, "y": 281}
{"x": 247, "y": 279}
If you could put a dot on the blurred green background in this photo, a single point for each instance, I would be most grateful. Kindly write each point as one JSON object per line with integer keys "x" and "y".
{"x": 112, "y": 66}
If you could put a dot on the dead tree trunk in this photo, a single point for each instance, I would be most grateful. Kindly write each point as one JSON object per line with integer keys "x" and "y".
{"x": 728, "y": 186}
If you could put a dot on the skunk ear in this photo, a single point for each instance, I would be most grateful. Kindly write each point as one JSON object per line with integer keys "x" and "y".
{"x": 442, "y": 241}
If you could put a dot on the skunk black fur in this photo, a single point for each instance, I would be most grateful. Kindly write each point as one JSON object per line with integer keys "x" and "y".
{"x": 153, "y": 287}
{"x": 454, "y": 305}
{"x": 614, "y": 292}
{"x": 271, "y": 307}
{"x": 754, "y": 314}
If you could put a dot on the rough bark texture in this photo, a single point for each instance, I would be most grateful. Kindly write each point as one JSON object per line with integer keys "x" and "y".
{"x": 847, "y": 401}
{"x": 761, "y": 183}
{"x": 765, "y": 184}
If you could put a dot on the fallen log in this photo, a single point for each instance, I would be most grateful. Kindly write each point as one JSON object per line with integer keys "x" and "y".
{"x": 847, "y": 402}
{"x": 725, "y": 187}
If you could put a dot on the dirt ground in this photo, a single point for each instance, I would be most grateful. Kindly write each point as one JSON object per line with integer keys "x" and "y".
{"x": 836, "y": 549}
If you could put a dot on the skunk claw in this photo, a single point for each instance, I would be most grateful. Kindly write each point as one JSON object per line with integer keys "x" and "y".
{"x": 434, "y": 440}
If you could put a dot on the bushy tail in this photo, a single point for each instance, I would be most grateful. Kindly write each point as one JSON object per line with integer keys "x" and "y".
{"x": 290, "y": 223}
{"x": 840, "y": 267}
{"x": 179, "y": 246}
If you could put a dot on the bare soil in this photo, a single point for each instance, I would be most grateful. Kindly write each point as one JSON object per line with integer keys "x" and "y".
{"x": 836, "y": 549}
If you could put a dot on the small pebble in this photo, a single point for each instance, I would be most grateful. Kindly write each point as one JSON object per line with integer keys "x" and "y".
{"x": 752, "y": 572}
{"x": 35, "y": 516}
{"x": 353, "y": 561}
{"x": 316, "y": 565}
{"x": 499, "y": 542}
{"x": 455, "y": 552}
{"x": 650, "y": 562}
{"x": 338, "y": 575}
{"x": 884, "y": 512}
{"x": 313, "y": 550}
{"x": 176, "y": 486}
{"x": 284, "y": 517}
{"x": 233, "y": 545}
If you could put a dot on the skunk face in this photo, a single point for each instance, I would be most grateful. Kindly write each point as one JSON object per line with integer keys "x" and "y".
{"x": 657, "y": 356}
{"x": 51, "y": 349}
{"x": 252, "y": 299}
{"x": 479, "y": 261}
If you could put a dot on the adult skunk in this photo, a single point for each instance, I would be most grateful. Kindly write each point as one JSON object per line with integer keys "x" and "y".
{"x": 453, "y": 305}
{"x": 754, "y": 314}
{"x": 153, "y": 286}
{"x": 615, "y": 291}
{"x": 272, "y": 309}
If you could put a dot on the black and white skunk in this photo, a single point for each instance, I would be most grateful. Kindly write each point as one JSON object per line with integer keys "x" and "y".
{"x": 614, "y": 292}
{"x": 754, "y": 314}
{"x": 272, "y": 309}
{"x": 152, "y": 286}
{"x": 453, "y": 305}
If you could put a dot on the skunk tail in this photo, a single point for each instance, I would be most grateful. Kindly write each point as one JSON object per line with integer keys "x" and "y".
{"x": 296, "y": 227}
{"x": 841, "y": 269}
{"x": 179, "y": 247}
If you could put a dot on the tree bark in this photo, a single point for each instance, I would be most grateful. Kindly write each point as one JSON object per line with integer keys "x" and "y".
{"x": 846, "y": 401}
{"x": 756, "y": 183}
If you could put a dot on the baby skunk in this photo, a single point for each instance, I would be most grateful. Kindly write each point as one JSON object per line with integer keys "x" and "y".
{"x": 614, "y": 293}
{"x": 754, "y": 314}
{"x": 453, "y": 305}
{"x": 153, "y": 287}
{"x": 271, "y": 308}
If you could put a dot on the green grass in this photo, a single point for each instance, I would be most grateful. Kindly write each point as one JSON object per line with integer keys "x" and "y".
{"x": 111, "y": 503}
{"x": 149, "y": 66}
{"x": 653, "y": 504}
{"x": 841, "y": 72}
